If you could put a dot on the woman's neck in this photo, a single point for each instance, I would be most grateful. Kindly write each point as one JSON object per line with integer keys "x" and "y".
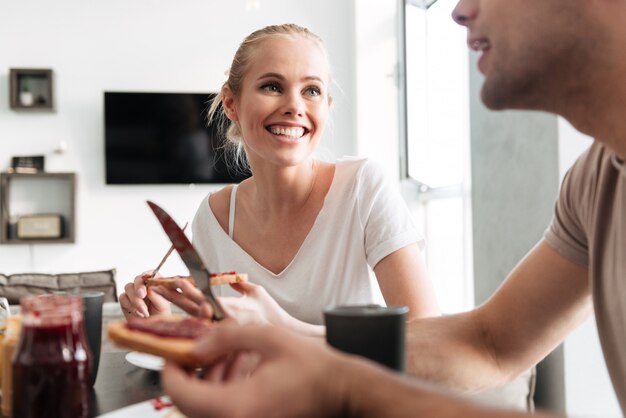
{"x": 275, "y": 190}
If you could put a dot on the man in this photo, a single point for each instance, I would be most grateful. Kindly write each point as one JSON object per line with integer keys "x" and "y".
{"x": 560, "y": 56}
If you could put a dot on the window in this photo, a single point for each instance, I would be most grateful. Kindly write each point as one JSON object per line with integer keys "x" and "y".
{"x": 435, "y": 144}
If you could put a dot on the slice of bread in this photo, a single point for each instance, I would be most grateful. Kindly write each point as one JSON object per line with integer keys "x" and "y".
{"x": 169, "y": 282}
{"x": 175, "y": 349}
{"x": 228, "y": 278}
{"x": 216, "y": 279}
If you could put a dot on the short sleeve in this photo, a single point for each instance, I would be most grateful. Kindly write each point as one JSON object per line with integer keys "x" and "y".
{"x": 385, "y": 218}
{"x": 566, "y": 234}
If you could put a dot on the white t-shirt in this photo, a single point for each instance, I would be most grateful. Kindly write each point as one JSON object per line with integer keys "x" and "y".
{"x": 363, "y": 220}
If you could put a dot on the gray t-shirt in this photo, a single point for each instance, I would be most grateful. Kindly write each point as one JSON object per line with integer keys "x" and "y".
{"x": 589, "y": 228}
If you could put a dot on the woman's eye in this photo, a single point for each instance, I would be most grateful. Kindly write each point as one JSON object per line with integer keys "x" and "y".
{"x": 271, "y": 87}
{"x": 313, "y": 91}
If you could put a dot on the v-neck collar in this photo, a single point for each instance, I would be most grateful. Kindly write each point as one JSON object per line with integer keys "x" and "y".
{"x": 319, "y": 219}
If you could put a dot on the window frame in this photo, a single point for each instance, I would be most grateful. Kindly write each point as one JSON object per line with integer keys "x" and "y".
{"x": 413, "y": 190}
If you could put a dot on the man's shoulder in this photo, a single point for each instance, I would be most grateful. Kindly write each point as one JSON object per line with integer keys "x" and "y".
{"x": 590, "y": 167}
{"x": 593, "y": 157}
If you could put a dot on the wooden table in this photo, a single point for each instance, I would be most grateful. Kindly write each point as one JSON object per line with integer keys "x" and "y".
{"x": 120, "y": 384}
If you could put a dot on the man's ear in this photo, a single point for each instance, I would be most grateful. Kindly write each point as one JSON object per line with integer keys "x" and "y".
{"x": 228, "y": 102}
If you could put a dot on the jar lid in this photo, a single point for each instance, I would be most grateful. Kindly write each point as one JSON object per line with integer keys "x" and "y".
{"x": 51, "y": 309}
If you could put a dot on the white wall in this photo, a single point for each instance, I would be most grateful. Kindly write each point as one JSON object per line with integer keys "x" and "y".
{"x": 139, "y": 45}
{"x": 588, "y": 389}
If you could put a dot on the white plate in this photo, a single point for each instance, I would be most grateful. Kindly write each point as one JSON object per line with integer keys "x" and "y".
{"x": 145, "y": 361}
{"x": 143, "y": 409}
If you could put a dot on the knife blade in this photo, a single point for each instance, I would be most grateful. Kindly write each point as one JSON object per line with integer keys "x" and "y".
{"x": 190, "y": 257}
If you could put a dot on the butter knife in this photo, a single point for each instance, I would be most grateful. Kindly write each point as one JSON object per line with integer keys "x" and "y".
{"x": 190, "y": 257}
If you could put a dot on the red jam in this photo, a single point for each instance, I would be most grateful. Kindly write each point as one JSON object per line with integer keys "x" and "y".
{"x": 221, "y": 274}
{"x": 190, "y": 328}
{"x": 52, "y": 362}
{"x": 159, "y": 403}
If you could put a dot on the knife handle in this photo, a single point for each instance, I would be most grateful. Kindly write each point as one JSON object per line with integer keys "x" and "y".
{"x": 216, "y": 306}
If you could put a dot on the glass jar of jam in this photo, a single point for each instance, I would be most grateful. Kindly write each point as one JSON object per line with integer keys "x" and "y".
{"x": 52, "y": 360}
{"x": 11, "y": 337}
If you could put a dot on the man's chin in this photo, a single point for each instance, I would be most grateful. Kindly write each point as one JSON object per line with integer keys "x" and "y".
{"x": 503, "y": 96}
{"x": 491, "y": 101}
{"x": 499, "y": 93}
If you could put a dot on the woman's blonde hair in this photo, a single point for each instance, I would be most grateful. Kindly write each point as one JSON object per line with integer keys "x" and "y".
{"x": 236, "y": 73}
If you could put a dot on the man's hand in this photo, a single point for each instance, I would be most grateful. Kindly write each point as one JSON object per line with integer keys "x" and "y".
{"x": 285, "y": 376}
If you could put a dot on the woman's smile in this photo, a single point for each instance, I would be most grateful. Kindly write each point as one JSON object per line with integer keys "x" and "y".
{"x": 288, "y": 134}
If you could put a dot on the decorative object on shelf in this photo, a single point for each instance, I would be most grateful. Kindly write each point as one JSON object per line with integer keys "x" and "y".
{"x": 31, "y": 89}
{"x": 40, "y": 226}
{"x": 27, "y": 164}
{"x": 26, "y": 96}
{"x": 61, "y": 148}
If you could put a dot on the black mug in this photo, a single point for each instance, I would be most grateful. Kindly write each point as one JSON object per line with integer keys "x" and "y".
{"x": 93, "y": 327}
{"x": 372, "y": 331}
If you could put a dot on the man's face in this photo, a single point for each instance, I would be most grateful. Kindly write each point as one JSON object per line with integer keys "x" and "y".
{"x": 532, "y": 52}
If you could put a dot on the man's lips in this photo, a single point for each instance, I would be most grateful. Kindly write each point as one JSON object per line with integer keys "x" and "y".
{"x": 479, "y": 44}
{"x": 483, "y": 46}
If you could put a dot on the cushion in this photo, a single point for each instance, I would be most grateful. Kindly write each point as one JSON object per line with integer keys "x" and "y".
{"x": 14, "y": 286}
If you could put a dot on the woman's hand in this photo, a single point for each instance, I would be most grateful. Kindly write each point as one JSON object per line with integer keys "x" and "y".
{"x": 257, "y": 307}
{"x": 254, "y": 307}
{"x": 138, "y": 300}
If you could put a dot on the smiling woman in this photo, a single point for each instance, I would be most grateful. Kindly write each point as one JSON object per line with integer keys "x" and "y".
{"x": 262, "y": 81}
{"x": 309, "y": 233}
{"x": 280, "y": 108}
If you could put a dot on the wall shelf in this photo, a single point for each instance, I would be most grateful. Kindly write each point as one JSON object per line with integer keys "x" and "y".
{"x": 25, "y": 197}
{"x": 31, "y": 89}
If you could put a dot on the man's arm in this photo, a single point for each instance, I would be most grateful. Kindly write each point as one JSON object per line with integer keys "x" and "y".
{"x": 544, "y": 298}
{"x": 373, "y": 392}
{"x": 296, "y": 376}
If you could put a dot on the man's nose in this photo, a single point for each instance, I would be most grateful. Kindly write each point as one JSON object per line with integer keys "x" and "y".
{"x": 465, "y": 11}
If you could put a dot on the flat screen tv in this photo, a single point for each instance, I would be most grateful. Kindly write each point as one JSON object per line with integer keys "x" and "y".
{"x": 163, "y": 138}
